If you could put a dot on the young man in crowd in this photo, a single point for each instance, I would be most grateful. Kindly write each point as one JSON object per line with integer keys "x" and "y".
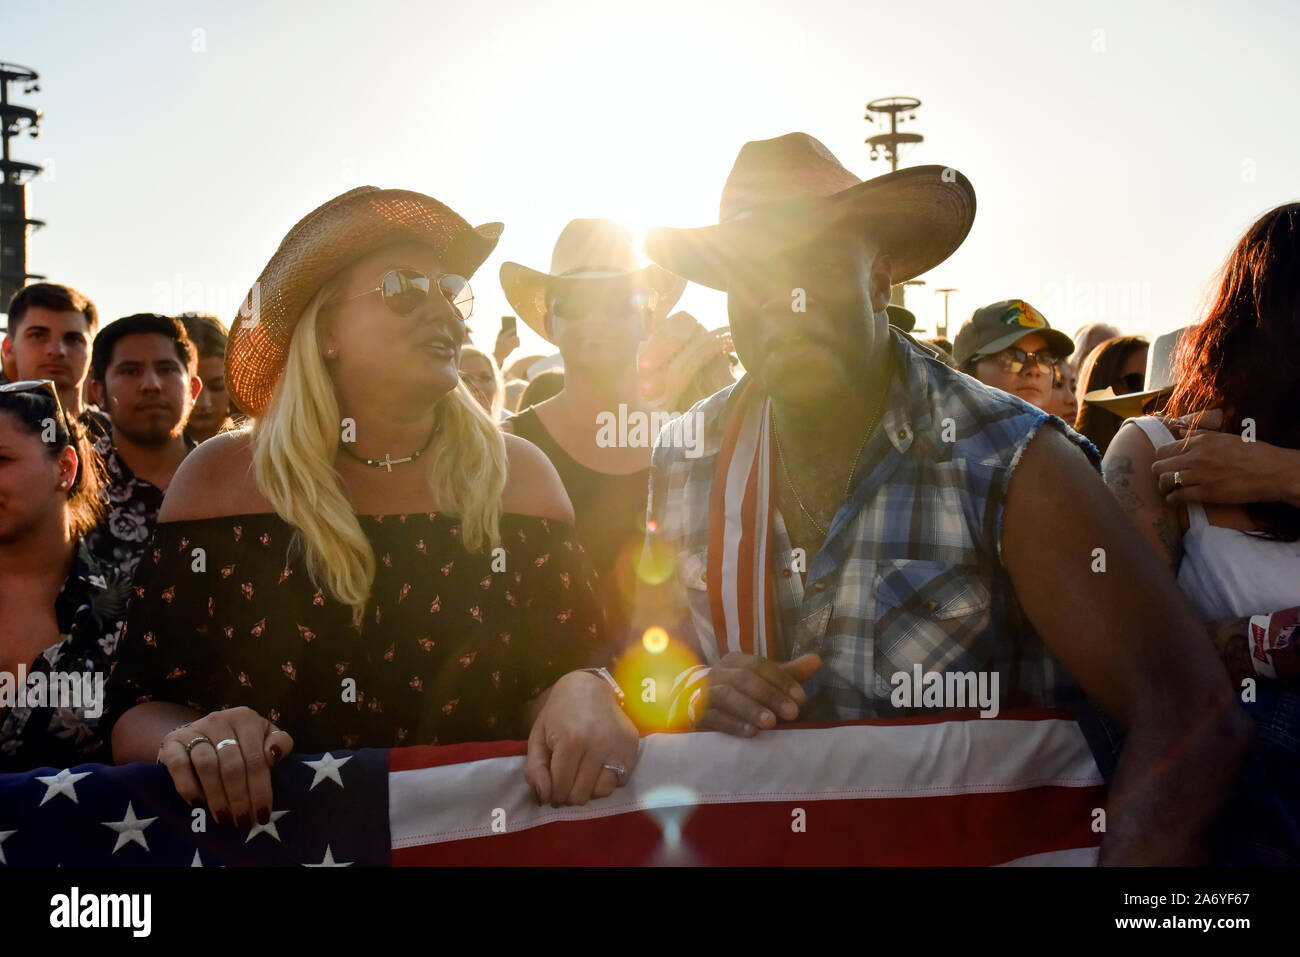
{"x": 50, "y": 331}
{"x": 143, "y": 373}
{"x": 597, "y": 306}
{"x": 858, "y": 509}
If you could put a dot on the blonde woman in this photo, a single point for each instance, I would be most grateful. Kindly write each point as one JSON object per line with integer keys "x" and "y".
{"x": 479, "y": 372}
{"x": 373, "y": 564}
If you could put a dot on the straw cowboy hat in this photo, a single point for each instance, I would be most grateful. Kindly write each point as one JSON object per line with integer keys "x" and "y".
{"x": 1159, "y": 380}
{"x": 588, "y": 250}
{"x": 322, "y": 243}
{"x": 673, "y": 354}
{"x": 784, "y": 192}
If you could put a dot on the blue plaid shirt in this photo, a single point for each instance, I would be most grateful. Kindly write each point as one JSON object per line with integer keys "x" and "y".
{"x": 911, "y": 570}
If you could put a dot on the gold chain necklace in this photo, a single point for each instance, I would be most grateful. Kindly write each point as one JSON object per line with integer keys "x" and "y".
{"x": 848, "y": 487}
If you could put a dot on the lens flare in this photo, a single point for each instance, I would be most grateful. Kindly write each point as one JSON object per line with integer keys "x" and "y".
{"x": 656, "y": 563}
{"x": 655, "y": 640}
{"x": 647, "y": 674}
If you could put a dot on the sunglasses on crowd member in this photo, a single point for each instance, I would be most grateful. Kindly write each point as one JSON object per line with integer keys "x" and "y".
{"x": 404, "y": 289}
{"x": 1012, "y": 359}
{"x": 608, "y": 305}
{"x": 1130, "y": 382}
{"x": 48, "y": 387}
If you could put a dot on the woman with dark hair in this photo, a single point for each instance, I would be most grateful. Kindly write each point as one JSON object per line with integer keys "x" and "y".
{"x": 1119, "y": 364}
{"x": 62, "y": 611}
{"x": 1238, "y": 563}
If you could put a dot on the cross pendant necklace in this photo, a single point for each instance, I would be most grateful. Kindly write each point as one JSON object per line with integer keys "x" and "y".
{"x": 387, "y": 462}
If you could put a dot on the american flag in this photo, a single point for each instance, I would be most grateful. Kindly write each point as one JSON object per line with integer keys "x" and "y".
{"x": 1022, "y": 788}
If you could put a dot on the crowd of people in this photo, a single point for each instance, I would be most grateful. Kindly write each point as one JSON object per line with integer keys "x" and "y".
{"x": 337, "y": 523}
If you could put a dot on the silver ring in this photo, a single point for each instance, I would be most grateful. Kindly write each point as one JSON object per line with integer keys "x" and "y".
{"x": 227, "y": 742}
{"x": 1178, "y": 481}
{"x": 619, "y": 770}
{"x": 202, "y": 737}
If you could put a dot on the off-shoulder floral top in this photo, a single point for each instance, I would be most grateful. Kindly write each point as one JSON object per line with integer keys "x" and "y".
{"x": 451, "y": 647}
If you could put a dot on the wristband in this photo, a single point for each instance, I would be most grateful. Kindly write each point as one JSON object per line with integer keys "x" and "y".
{"x": 1261, "y": 652}
{"x": 604, "y": 675}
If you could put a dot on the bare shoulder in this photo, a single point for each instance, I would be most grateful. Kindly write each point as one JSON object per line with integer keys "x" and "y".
{"x": 533, "y": 487}
{"x": 215, "y": 479}
{"x": 1127, "y": 468}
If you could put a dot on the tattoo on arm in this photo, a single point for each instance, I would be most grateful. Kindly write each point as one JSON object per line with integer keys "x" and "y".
{"x": 1119, "y": 477}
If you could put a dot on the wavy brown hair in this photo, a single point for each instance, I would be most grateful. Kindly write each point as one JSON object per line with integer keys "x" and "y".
{"x": 1238, "y": 359}
{"x": 1098, "y": 371}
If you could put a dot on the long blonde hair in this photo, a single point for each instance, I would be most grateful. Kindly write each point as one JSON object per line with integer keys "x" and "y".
{"x": 295, "y": 443}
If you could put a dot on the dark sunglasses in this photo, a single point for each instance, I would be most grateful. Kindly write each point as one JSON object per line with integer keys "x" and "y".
{"x": 47, "y": 386}
{"x": 404, "y": 289}
{"x": 1013, "y": 359}
{"x": 606, "y": 306}
{"x": 1131, "y": 382}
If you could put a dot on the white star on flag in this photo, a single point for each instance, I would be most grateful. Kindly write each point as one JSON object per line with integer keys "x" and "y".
{"x": 5, "y": 835}
{"x": 62, "y": 783}
{"x": 198, "y": 861}
{"x": 329, "y": 860}
{"x": 268, "y": 827}
{"x": 129, "y": 829}
{"x": 327, "y": 767}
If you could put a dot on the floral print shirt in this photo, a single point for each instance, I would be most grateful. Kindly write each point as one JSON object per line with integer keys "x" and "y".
{"x": 450, "y": 648}
{"x": 133, "y": 505}
{"x": 90, "y": 611}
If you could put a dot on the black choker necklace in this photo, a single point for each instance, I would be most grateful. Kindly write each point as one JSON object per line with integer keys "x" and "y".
{"x": 388, "y": 463}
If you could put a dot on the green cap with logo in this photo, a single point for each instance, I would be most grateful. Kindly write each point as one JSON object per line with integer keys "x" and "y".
{"x": 993, "y": 328}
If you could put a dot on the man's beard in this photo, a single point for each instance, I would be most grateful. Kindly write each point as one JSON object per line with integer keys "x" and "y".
{"x": 148, "y": 438}
{"x": 847, "y": 371}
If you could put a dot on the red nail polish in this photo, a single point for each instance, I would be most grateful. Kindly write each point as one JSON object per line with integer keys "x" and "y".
{"x": 263, "y": 816}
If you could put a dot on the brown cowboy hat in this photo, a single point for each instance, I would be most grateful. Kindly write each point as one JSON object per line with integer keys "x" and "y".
{"x": 588, "y": 250}
{"x": 320, "y": 244}
{"x": 785, "y": 191}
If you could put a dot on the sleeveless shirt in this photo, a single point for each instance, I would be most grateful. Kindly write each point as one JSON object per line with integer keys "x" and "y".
{"x": 1228, "y": 573}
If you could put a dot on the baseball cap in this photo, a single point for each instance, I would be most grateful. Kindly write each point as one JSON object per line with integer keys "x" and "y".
{"x": 992, "y": 328}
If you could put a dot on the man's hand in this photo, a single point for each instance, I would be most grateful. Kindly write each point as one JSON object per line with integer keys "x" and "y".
{"x": 1224, "y": 468}
{"x": 579, "y": 730}
{"x": 744, "y": 694}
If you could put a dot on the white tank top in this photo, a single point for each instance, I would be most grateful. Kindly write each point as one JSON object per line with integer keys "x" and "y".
{"x": 1228, "y": 573}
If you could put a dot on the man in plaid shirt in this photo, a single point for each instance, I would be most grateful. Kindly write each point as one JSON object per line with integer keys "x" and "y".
{"x": 854, "y": 510}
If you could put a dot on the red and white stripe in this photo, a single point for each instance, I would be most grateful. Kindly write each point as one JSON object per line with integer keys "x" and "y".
{"x": 1018, "y": 789}
{"x": 740, "y": 529}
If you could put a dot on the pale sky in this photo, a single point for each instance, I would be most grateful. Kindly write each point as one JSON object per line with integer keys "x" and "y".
{"x": 1117, "y": 149}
